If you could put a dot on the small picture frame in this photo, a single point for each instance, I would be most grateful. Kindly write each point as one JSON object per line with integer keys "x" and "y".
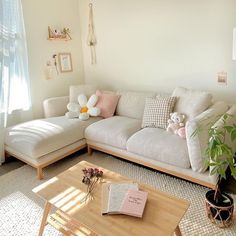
{"x": 65, "y": 62}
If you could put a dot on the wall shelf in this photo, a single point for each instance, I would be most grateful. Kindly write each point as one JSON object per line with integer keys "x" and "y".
{"x": 58, "y": 39}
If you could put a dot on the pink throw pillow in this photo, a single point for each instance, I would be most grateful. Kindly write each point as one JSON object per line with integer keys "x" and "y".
{"x": 107, "y": 102}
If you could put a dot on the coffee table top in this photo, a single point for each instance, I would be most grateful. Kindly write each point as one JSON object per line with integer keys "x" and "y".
{"x": 162, "y": 213}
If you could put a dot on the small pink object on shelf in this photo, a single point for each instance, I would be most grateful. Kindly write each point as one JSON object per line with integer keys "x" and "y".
{"x": 134, "y": 203}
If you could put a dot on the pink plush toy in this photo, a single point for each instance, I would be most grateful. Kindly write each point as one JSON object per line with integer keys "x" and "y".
{"x": 181, "y": 132}
{"x": 176, "y": 124}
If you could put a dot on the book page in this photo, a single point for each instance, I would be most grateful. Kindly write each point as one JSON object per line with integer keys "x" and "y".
{"x": 117, "y": 194}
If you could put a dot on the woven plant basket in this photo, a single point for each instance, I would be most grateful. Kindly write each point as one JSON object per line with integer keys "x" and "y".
{"x": 221, "y": 216}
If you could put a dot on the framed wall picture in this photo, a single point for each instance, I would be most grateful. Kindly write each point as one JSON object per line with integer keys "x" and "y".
{"x": 65, "y": 62}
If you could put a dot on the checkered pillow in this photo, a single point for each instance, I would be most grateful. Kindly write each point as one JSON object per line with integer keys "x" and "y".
{"x": 157, "y": 111}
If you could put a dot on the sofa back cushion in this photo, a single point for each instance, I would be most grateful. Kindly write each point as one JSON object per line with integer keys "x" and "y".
{"x": 191, "y": 102}
{"x": 131, "y": 104}
{"x": 76, "y": 90}
{"x": 199, "y": 126}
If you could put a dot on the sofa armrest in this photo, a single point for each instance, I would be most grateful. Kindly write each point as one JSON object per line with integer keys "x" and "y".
{"x": 55, "y": 106}
{"x": 197, "y": 143}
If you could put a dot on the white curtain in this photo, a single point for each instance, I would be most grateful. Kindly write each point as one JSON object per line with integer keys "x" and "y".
{"x": 14, "y": 79}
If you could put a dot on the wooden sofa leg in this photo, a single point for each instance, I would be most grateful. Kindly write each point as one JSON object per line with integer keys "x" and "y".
{"x": 40, "y": 173}
{"x": 90, "y": 150}
{"x": 7, "y": 156}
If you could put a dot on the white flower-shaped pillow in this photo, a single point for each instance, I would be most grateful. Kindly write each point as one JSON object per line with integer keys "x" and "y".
{"x": 84, "y": 109}
{"x": 88, "y": 106}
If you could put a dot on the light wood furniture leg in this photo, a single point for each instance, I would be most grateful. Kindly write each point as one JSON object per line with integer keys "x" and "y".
{"x": 90, "y": 150}
{"x": 46, "y": 211}
{"x": 40, "y": 173}
{"x": 7, "y": 155}
{"x": 177, "y": 231}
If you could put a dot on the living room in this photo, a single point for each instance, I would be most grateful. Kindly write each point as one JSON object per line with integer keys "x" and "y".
{"x": 136, "y": 62}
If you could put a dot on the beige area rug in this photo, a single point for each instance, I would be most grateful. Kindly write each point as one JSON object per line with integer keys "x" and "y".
{"x": 21, "y": 210}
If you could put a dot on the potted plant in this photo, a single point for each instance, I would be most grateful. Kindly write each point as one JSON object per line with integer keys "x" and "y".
{"x": 219, "y": 157}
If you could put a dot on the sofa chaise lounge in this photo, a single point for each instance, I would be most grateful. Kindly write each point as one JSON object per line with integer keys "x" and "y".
{"x": 42, "y": 142}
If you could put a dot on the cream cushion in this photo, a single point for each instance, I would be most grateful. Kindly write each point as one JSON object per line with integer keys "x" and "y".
{"x": 160, "y": 145}
{"x": 131, "y": 104}
{"x": 191, "y": 102}
{"x": 197, "y": 144}
{"x": 40, "y": 137}
{"x": 113, "y": 131}
{"x": 55, "y": 106}
{"x": 76, "y": 90}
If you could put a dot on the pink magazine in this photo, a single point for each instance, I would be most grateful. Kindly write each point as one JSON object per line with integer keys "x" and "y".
{"x": 134, "y": 203}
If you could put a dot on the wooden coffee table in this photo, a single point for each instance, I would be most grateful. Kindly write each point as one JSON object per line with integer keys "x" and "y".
{"x": 162, "y": 214}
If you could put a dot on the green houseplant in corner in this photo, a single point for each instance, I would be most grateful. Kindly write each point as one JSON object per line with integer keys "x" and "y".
{"x": 220, "y": 157}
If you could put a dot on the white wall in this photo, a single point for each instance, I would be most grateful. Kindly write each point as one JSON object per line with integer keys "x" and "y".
{"x": 161, "y": 44}
{"x": 38, "y": 16}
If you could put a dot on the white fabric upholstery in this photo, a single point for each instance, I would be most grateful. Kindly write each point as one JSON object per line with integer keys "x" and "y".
{"x": 191, "y": 102}
{"x": 43, "y": 160}
{"x": 205, "y": 177}
{"x": 160, "y": 145}
{"x": 40, "y": 137}
{"x": 131, "y": 104}
{"x": 197, "y": 144}
{"x": 113, "y": 131}
{"x": 55, "y": 106}
{"x": 76, "y": 90}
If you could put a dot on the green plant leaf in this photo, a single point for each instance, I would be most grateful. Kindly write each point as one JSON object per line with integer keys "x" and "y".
{"x": 229, "y": 129}
{"x": 233, "y": 135}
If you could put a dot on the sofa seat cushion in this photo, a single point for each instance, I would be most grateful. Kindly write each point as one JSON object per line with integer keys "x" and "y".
{"x": 40, "y": 137}
{"x": 160, "y": 145}
{"x": 114, "y": 131}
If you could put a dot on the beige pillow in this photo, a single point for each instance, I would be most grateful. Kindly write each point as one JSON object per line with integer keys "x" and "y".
{"x": 76, "y": 90}
{"x": 131, "y": 104}
{"x": 157, "y": 111}
{"x": 191, "y": 102}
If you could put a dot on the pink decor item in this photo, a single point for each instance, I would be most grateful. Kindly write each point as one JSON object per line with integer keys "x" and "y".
{"x": 182, "y": 132}
{"x": 134, "y": 203}
{"x": 107, "y": 103}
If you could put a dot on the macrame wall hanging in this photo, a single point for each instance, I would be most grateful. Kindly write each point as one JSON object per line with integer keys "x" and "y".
{"x": 91, "y": 36}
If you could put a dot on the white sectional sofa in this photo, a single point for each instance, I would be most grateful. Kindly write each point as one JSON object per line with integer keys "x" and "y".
{"x": 42, "y": 142}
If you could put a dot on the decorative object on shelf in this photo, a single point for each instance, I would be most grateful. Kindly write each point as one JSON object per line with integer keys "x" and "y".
{"x": 92, "y": 41}
{"x": 65, "y": 62}
{"x": 56, "y": 34}
{"x": 219, "y": 156}
{"x": 90, "y": 178}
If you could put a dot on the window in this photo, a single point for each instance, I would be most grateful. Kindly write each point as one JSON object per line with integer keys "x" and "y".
{"x": 14, "y": 79}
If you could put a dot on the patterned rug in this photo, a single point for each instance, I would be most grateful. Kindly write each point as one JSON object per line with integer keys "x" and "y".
{"x": 21, "y": 210}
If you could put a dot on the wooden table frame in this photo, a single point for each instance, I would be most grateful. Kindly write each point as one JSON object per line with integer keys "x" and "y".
{"x": 48, "y": 192}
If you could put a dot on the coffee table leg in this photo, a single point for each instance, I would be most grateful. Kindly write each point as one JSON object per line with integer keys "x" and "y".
{"x": 46, "y": 211}
{"x": 177, "y": 231}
